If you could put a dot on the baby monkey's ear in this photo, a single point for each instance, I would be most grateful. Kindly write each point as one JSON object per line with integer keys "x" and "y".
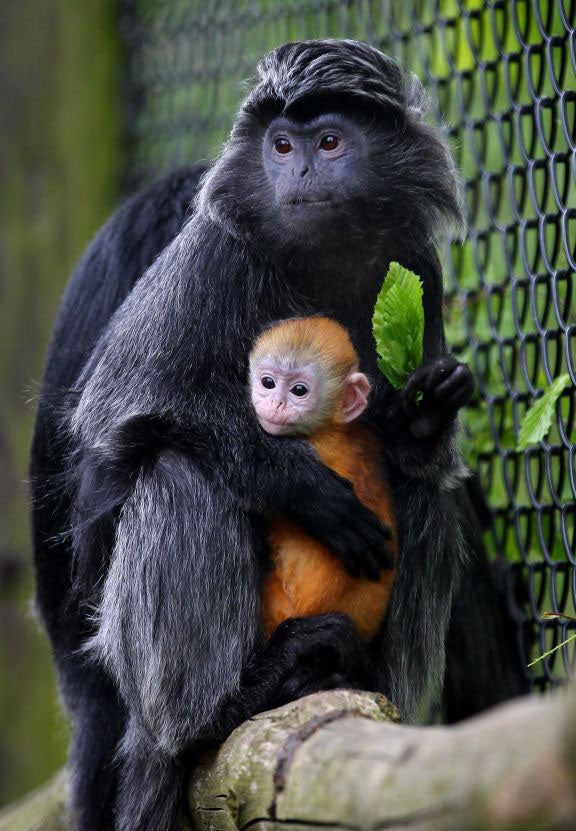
{"x": 355, "y": 399}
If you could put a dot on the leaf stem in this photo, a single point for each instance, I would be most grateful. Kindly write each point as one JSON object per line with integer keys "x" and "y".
{"x": 554, "y": 649}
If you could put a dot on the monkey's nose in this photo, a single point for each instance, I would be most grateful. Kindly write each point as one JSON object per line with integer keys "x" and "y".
{"x": 304, "y": 171}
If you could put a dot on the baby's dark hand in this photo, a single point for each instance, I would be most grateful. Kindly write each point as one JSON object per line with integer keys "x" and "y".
{"x": 334, "y": 515}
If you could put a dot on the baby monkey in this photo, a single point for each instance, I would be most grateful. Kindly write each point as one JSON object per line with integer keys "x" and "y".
{"x": 305, "y": 381}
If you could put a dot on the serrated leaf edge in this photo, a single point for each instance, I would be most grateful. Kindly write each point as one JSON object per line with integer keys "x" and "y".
{"x": 542, "y": 412}
{"x": 399, "y": 280}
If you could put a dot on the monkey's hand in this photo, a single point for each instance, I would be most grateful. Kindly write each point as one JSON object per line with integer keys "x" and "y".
{"x": 331, "y": 512}
{"x": 445, "y": 386}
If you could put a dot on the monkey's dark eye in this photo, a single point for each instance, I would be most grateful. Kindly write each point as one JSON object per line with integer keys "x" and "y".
{"x": 282, "y": 146}
{"x": 267, "y": 382}
{"x": 329, "y": 142}
{"x": 299, "y": 390}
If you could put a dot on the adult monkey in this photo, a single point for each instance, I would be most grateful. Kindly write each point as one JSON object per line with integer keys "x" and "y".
{"x": 329, "y": 174}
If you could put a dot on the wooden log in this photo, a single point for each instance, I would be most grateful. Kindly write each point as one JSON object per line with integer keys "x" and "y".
{"x": 340, "y": 760}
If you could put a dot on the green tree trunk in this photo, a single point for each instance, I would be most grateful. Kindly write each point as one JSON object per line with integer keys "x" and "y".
{"x": 59, "y": 134}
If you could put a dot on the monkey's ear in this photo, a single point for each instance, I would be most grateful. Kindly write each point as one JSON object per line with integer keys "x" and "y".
{"x": 355, "y": 401}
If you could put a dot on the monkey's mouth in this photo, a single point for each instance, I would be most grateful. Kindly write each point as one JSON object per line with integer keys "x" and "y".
{"x": 275, "y": 427}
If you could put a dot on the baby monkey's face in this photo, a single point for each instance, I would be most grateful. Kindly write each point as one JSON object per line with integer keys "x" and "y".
{"x": 285, "y": 399}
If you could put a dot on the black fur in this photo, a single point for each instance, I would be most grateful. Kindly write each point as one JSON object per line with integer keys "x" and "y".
{"x": 171, "y": 474}
{"x": 112, "y": 264}
{"x": 488, "y": 641}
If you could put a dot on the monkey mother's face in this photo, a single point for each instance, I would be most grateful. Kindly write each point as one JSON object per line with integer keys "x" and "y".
{"x": 317, "y": 169}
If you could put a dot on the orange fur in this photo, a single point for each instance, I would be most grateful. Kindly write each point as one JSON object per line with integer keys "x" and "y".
{"x": 320, "y": 337}
{"x": 306, "y": 578}
{"x": 311, "y": 340}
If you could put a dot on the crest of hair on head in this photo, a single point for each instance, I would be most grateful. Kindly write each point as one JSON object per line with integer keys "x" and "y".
{"x": 312, "y": 341}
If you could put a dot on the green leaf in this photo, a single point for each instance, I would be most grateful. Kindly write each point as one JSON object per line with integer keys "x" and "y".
{"x": 398, "y": 324}
{"x": 537, "y": 421}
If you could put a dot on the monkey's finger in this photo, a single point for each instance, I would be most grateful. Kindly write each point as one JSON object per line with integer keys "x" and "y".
{"x": 425, "y": 378}
{"x": 371, "y": 527}
{"x": 419, "y": 378}
{"x": 355, "y": 515}
{"x": 311, "y": 682}
{"x": 351, "y": 564}
{"x": 372, "y": 553}
{"x": 354, "y": 554}
{"x": 343, "y": 524}
{"x": 385, "y": 558}
{"x": 373, "y": 538}
{"x": 370, "y": 567}
{"x": 361, "y": 529}
{"x": 367, "y": 562}
{"x": 387, "y": 530}
{"x": 459, "y": 385}
{"x": 438, "y": 371}
{"x": 383, "y": 561}
{"x": 434, "y": 418}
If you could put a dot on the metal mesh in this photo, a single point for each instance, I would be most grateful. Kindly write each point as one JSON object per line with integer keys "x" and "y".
{"x": 503, "y": 74}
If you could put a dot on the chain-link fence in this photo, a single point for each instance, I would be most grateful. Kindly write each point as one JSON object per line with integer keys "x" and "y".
{"x": 503, "y": 75}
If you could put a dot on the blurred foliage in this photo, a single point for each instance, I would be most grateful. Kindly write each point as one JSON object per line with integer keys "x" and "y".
{"x": 59, "y": 132}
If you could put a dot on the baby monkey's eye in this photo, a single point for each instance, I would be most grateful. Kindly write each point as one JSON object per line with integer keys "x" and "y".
{"x": 282, "y": 145}
{"x": 300, "y": 390}
{"x": 267, "y": 382}
{"x": 329, "y": 142}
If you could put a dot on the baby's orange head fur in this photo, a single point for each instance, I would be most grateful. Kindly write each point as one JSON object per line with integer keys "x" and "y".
{"x": 323, "y": 349}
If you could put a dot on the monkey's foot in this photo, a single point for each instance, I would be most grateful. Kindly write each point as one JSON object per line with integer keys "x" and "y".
{"x": 322, "y": 652}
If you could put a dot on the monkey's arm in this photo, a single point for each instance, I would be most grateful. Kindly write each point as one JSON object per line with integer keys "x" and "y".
{"x": 284, "y": 475}
{"x": 425, "y": 467}
{"x": 445, "y": 383}
{"x": 262, "y": 475}
{"x": 424, "y": 426}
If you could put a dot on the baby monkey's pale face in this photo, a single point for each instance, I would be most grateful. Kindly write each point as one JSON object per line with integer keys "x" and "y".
{"x": 298, "y": 399}
{"x": 285, "y": 399}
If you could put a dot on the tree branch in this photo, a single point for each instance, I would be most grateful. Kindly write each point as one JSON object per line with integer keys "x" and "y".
{"x": 338, "y": 761}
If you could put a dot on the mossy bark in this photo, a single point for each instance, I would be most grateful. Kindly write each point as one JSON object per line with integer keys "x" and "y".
{"x": 339, "y": 761}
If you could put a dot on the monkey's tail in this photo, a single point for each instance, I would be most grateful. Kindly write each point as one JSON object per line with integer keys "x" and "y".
{"x": 152, "y": 787}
